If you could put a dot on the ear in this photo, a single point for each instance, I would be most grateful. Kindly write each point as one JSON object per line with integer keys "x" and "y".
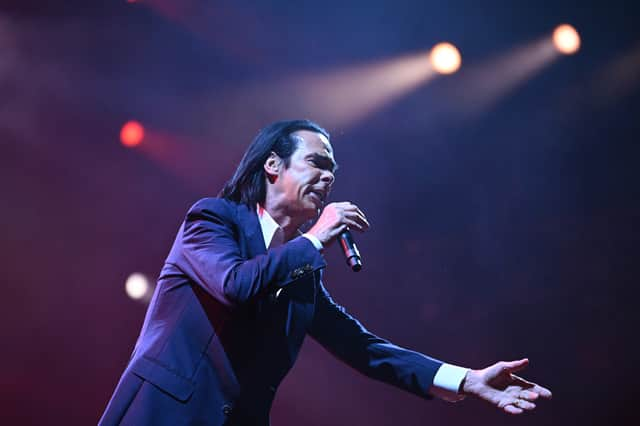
{"x": 272, "y": 166}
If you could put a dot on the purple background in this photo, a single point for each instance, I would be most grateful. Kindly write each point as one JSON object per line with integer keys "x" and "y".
{"x": 512, "y": 233}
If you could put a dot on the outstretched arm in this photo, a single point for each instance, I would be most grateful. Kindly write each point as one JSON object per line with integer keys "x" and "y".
{"x": 349, "y": 341}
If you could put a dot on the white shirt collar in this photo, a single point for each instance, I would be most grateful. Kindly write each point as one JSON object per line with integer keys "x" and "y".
{"x": 272, "y": 233}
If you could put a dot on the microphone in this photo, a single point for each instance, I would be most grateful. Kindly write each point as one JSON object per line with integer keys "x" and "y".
{"x": 350, "y": 251}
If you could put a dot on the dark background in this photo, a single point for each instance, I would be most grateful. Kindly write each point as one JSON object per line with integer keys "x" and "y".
{"x": 507, "y": 234}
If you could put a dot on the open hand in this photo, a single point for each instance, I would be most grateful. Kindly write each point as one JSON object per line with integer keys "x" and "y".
{"x": 498, "y": 385}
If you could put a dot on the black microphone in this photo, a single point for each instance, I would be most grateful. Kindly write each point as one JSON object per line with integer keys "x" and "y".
{"x": 350, "y": 251}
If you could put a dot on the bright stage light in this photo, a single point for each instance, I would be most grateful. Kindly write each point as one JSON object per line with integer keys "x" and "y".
{"x": 137, "y": 286}
{"x": 445, "y": 58}
{"x": 566, "y": 39}
{"x": 131, "y": 134}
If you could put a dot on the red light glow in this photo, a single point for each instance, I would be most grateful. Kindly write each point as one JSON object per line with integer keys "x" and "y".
{"x": 131, "y": 134}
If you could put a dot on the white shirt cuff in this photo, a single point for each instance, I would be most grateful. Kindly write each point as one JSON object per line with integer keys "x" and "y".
{"x": 447, "y": 381}
{"x": 314, "y": 240}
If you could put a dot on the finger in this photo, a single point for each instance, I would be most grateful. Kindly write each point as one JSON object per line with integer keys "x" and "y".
{"x": 339, "y": 230}
{"x": 363, "y": 221}
{"x": 354, "y": 212}
{"x": 528, "y": 395}
{"x": 525, "y": 405}
{"x": 348, "y": 205}
{"x": 512, "y": 410}
{"x": 519, "y": 381}
{"x": 515, "y": 366}
{"x": 359, "y": 219}
{"x": 533, "y": 387}
{"x": 361, "y": 213}
{"x": 352, "y": 224}
{"x": 542, "y": 391}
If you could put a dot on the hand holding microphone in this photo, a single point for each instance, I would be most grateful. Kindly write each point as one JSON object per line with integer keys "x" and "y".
{"x": 335, "y": 222}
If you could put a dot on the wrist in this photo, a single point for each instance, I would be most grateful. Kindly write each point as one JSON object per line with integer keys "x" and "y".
{"x": 468, "y": 383}
{"x": 319, "y": 235}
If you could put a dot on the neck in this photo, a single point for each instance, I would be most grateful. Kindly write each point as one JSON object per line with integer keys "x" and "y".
{"x": 288, "y": 221}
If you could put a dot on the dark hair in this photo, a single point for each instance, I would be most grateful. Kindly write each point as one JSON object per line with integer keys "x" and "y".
{"x": 248, "y": 184}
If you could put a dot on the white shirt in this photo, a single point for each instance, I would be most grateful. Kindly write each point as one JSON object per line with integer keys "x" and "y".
{"x": 448, "y": 378}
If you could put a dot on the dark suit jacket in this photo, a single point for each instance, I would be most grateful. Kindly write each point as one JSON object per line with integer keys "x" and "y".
{"x": 216, "y": 341}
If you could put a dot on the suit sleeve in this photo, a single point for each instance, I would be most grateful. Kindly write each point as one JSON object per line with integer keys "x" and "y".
{"x": 349, "y": 341}
{"x": 213, "y": 257}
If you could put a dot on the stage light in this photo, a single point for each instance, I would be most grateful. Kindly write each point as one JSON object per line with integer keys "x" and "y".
{"x": 131, "y": 134}
{"x": 566, "y": 39}
{"x": 137, "y": 286}
{"x": 445, "y": 58}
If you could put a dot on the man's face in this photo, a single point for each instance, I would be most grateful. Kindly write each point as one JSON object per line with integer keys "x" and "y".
{"x": 304, "y": 186}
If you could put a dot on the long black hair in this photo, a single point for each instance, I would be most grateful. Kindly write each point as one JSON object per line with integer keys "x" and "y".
{"x": 248, "y": 184}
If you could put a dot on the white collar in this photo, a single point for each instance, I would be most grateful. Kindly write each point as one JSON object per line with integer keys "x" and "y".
{"x": 269, "y": 227}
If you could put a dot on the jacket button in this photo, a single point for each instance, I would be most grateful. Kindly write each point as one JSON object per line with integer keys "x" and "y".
{"x": 227, "y": 409}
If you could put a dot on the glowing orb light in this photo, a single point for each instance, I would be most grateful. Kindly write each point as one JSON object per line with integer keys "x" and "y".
{"x": 566, "y": 39}
{"x": 445, "y": 58}
{"x": 131, "y": 134}
{"x": 137, "y": 286}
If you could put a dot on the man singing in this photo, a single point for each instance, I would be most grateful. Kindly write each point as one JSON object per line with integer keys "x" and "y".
{"x": 242, "y": 287}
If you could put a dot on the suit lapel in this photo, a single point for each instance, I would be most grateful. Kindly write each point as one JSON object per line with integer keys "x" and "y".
{"x": 248, "y": 220}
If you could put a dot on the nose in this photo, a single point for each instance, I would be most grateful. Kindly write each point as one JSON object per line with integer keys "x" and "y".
{"x": 328, "y": 177}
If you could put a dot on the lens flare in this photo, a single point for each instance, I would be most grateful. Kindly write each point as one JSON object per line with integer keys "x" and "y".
{"x": 445, "y": 58}
{"x": 137, "y": 286}
{"x": 566, "y": 39}
{"x": 132, "y": 134}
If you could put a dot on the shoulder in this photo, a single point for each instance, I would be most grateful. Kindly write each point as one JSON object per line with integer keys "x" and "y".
{"x": 213, "y": 204}
{"x": 212, "y": 208}
{"x": 220, "y": 210}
